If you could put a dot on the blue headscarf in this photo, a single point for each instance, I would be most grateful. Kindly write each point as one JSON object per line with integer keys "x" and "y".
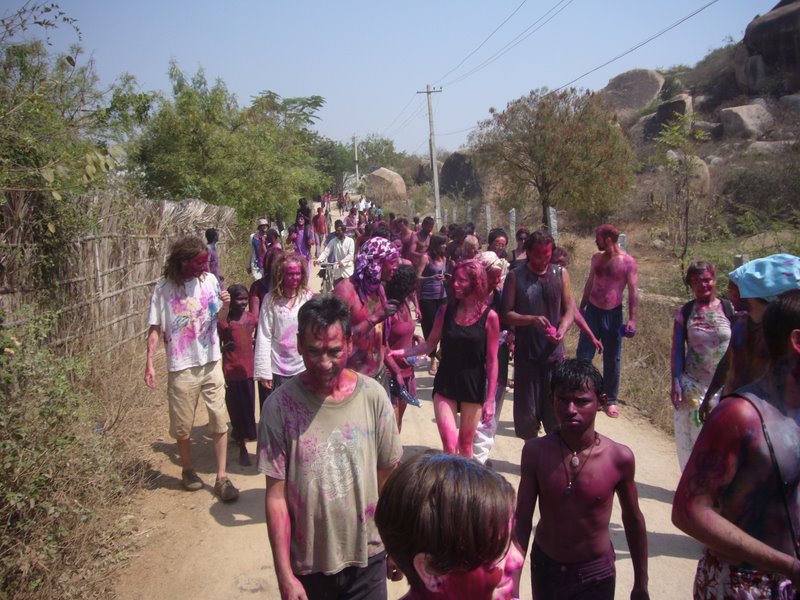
{"x": 767, "y": 277}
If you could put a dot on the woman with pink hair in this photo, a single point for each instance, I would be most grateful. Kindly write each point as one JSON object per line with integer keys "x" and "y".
{"x": 467, "y": 376}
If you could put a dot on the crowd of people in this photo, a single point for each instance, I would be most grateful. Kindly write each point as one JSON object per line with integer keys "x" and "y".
{"x": 335, "y": 373}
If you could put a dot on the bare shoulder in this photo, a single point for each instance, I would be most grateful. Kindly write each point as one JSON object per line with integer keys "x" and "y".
{"x": 734, "y": 417}
{"x": 538, "y": 449}
{"x": 629, "y": 261}
{"x": 621, "y": 453}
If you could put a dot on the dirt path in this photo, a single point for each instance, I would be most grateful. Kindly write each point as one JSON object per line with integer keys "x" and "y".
{"x": 195, "y": 547}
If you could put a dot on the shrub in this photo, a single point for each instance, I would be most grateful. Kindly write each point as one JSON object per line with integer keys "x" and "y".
{"x": 57, "y": 473}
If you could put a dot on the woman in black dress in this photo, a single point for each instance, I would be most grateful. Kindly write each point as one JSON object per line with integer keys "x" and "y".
{"x": 467, "y": 377}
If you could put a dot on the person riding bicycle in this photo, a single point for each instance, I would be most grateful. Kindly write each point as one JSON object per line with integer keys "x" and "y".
{"x": 343, "y": 249}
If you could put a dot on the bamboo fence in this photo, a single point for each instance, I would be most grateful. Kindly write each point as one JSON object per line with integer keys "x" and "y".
{"x": 105, "y": 281}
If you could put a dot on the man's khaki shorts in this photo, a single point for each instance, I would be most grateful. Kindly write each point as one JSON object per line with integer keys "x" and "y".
{"x": 184, "y": 390}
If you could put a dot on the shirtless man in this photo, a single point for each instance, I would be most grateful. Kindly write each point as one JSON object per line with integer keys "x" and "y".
{"x": 574, "y": 473}
{"x": 376, "y": 262}
{"x": 612, "y": 270}
{"x": 406, "y": 237}
{"x": 422, "y": 239}
{"x": 731, "y": 497}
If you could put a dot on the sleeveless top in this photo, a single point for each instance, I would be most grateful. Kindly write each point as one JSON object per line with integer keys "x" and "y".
{"x": 462, "y": 370}
{"x": 538, "y": 295}
{"x": 431, "y": 288}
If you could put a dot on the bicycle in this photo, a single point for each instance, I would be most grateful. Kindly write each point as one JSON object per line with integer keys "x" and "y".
{"x": 326, "y": 274}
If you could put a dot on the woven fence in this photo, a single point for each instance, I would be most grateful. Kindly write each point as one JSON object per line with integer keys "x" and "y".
{"x": 103, "y": 285}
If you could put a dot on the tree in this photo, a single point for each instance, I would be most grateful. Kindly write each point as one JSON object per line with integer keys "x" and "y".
{"x": 200, "y": 144}
{"x": 562, "y": 145}
{"x": 336, "y": 161}
{"x": 678, "y": 142}
{"x": 375, "y": 151}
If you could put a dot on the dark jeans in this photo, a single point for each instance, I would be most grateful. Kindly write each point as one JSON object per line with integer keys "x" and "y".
{"x": 532, "y": 405}
{"x": 428, "y": 309}
{"x": 351, "y": 583}
{"x": 605, "y": 325}
{"x": 263, "y": 393}
{"x": 590, "y": 580}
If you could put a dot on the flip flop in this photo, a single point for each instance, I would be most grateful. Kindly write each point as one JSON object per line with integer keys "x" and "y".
{"x": 612, "y": 411}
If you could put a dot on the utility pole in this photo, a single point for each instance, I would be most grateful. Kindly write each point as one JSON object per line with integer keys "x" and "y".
{"x": 355, "y": 150}
{"x": 434, "y": 170}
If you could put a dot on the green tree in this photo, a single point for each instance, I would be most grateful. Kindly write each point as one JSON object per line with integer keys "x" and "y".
{"x": 376, "y": 151}
{"x": 200, "y": 144}
{"x": 56, "y": 139}
{"x": 336, "y": 161}
{"x": 563, "y": 146}
{"x": 678, "y": 143}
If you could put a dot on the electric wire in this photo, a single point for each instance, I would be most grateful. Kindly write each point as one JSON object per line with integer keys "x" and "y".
{"x": 486, "y": 39}
{"x": 639, "y": 45}
{"x": 521, "y": 37}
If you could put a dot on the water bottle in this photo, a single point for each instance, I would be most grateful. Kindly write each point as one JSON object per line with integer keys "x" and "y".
{"x": 503, "y": 336}
{"x": 405, "y": 396}
{"x": 416, "y": 361}
{"x": 625, "y": 331}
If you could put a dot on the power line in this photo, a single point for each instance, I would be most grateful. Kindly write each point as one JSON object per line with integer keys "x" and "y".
{"x": 608, "y": 62}
{"x": 402, "y": 110}
{"x": 639, "y": 45}
{"x": 521, "y": 37}
{"x": 488, "y": 37}
{"x": 417, "y": 113}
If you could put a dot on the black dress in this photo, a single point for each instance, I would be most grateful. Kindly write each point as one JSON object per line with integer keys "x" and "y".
{"x": 462, "y": 371}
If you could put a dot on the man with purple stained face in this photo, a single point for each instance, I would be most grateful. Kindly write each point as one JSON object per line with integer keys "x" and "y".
{"x": 740, "y": 492}
{"x": 573, "y": 474}
{"x": 186, "y": 304}
{"x": 327, "y": 442}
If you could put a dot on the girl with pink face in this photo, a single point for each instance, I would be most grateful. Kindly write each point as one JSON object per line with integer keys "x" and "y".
{"x": 447, "y": 524}
{"x": 276, "y": 355}
{"x": 467, "y": 376}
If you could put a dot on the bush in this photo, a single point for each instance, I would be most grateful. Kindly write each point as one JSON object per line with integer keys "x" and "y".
{"x": 56, "y": 473}
{"x": 764, "y": 195}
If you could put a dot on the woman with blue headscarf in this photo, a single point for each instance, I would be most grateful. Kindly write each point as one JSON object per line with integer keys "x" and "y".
{"x": 751, "y": 288}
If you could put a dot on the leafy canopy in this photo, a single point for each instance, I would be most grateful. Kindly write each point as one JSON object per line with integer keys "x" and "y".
{"x": 201, "y": 144}
{"x": 562, "y": 146}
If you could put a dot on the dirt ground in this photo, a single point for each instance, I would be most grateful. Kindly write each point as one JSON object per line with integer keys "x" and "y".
{"x": 192, "y": 546}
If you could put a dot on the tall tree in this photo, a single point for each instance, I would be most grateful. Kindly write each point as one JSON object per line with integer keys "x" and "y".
{"x": 375, "y": 151}
{"x": 561, "y": 145}
{"x": 336, "y": 161}
{"x": 201, "y": 144}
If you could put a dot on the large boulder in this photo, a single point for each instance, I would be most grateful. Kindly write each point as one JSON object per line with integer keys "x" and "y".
{"x": 770, "y": 51}
{"x": 384, "y": 185}
{"x": 791, "y": 103}
{"x": 630, "y": 92}
{"x": 459, "y": 176}
{"x": 750, "y": 121}
{"x": 422, "y": 172}
{"x": 769, "y": 148}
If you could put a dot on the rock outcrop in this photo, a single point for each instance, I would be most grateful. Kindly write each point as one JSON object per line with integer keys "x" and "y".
{"x": 384, "y": 185}
{"x": 630, "y": 92}
{"x": 422, "y": 172}
{"x": 459, "y": 177}
{"x": 750, "y": 121}
{"x": 770, "y": 51}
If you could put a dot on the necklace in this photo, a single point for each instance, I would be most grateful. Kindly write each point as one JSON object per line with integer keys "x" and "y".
{"x": 575, "y": 462}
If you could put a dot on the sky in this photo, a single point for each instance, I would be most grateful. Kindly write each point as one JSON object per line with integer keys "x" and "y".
{"x": 368, "y": 59}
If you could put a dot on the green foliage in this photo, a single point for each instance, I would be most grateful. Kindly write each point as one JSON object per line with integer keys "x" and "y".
{"x": 200, "y": 144}
{"x": 677, "y": 135}
{"x": 54, "y": 471}
{"x": 562, "y": 145}
{"x": 375, "y": 151}
{"x": 763, "y": 195}
{"x": 336, "y": 161}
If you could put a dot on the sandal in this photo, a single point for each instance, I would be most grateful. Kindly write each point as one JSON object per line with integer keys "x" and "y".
{"x": 612, "y": 411}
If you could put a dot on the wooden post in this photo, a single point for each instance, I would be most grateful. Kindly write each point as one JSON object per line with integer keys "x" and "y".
{"x": 488, "y": 219}
{"x": 512, "y": 222}
{"x": 623, "y": 242}
{"x": 740, "y": 259}
{"x": 552, "y": 223}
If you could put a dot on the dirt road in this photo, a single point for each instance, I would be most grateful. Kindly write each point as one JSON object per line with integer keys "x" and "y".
{"x": 193, "y": 546}
{"x": 196, "y": 547}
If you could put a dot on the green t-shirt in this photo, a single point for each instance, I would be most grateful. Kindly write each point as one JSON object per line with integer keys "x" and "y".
{"x": 328, "y": 455}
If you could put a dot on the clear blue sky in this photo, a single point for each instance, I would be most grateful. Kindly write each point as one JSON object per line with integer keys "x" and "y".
{"x": 367, "y": 59}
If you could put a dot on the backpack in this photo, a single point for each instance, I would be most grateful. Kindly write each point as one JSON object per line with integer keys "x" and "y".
{"x": 727, "y": 309}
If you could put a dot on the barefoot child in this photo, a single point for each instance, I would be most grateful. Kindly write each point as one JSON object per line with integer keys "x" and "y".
{"x": 236, "y": 336}
{"x": 574, "y": 472}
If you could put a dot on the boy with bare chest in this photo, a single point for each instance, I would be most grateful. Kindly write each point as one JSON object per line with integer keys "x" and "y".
{"x": 573, "y": 473}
